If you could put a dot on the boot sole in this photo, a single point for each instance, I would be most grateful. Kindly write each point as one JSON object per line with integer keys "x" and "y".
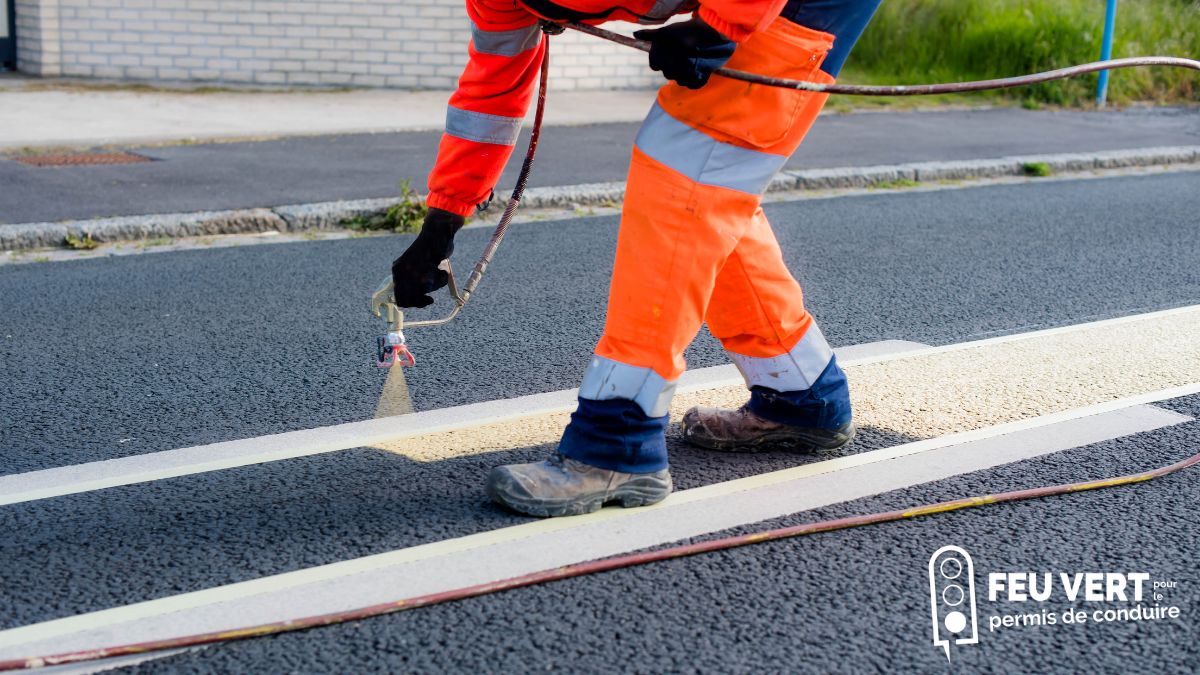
{"x": 640, "y": 491}
{"x": 793, "y": 440}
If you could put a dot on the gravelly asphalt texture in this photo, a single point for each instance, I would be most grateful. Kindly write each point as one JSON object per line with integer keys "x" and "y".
{"x": 128, "y": 355}
{"x": 299, "y": 170}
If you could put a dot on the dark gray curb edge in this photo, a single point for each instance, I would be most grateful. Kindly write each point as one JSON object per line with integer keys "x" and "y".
{"x": 330, "y": 215}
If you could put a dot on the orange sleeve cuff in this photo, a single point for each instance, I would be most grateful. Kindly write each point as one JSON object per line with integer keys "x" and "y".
{"x": 729, "y": 30}
{"x": 447, "y": 203}
{"x": 737, "y": 20}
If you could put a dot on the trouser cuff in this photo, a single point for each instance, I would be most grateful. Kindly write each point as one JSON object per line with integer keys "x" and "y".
{"x": 617, "y": 435}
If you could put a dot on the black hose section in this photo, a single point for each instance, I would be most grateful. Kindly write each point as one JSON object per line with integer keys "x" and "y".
{"x": 522, "y": 178}
{"x": 913, "y": 89}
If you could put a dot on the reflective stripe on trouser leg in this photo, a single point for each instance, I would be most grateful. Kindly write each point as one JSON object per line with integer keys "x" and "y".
{"x": 824, "y": 405}
{"x": 621, "y": 420}
{"x": 505, "y": 42}
{"x": 482, "y": 127}
{"x": 794, "y": 370}
{"x": 606, "y": 379}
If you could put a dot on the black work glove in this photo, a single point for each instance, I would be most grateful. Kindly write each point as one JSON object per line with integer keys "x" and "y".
{"x": 687, "y": 52}
{"x": 415, "y": 273}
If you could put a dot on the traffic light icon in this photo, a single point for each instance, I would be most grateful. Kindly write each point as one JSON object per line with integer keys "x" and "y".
{"x": 952, "y": 598}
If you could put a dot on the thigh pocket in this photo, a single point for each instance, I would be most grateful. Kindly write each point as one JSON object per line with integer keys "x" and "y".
{"x": 754, "y": 115}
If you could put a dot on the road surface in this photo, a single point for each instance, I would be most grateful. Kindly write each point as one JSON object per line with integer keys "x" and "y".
{"x": 129, "y": 356}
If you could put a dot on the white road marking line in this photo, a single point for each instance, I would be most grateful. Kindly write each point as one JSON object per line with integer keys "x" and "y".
{"x": 549, "y": 543}
{"x": 185, "y": 461}
{"x": 1045, "y": 332}
{"x": 61, "y": 481}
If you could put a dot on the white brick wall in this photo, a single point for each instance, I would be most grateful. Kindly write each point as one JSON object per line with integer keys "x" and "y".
{"x": 38, "y": 47}
{"x": 373, "y": 43}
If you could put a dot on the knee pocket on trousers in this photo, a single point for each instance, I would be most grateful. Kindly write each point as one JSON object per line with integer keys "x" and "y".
{"x": 758, "y": 116}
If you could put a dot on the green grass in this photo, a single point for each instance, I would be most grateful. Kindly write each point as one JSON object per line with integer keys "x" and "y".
{"x": 1037, "y": 169}
{"x": 405, "y": 216}
{"x": 898, "y": 184}
{"x": 922, "y": 41}
{"x": 84, "y": 243}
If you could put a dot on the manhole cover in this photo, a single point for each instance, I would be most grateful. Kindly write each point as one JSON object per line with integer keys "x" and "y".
{"x": 83, "y": 159}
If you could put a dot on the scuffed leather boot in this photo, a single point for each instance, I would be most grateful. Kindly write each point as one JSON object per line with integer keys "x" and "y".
{"x": 742, "y": 430}
{"x": 561, "y": 486}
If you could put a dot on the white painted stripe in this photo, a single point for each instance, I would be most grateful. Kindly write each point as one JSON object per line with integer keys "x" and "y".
{"x": 1037, "y": 334}
{"x": 61, "y": 481}
{"x": 545, "y": 544}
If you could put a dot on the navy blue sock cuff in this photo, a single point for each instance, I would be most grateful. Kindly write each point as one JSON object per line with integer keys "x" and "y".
{"x": 825, "y": 406}
{"x": 616, "y": 435}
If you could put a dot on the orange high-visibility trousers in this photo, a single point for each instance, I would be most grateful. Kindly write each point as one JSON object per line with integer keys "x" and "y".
{"x": 694, "y": 244}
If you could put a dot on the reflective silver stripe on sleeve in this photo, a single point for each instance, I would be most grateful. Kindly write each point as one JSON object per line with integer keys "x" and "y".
{"x": 482, "y": 127}
{"x": 505, "y": 42}
{"x": 704, "y": 159}
{"x": 606, "y": 379}
{"x": 793, "y": 371}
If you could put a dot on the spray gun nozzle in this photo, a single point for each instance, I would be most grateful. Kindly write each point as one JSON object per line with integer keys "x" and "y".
{"x": 390, "y": 350}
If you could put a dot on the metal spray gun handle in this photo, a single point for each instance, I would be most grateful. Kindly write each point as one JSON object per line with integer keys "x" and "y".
{"x": 392, "y": 348}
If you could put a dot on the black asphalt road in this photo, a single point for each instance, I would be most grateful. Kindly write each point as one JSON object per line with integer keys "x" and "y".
{"x": 328, "y": 168}
{"x": 121, "y": 356}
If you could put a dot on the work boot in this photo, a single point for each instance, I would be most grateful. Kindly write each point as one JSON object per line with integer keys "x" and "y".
{"x": 561, "y": 486}
{"x": 742, "y": 430}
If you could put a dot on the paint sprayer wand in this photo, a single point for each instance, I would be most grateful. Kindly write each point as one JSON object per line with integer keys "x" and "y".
{"x": 392, "y": 349}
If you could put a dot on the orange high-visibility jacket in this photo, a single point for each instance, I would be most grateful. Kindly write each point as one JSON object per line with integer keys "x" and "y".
{"x": 484, "y": 114}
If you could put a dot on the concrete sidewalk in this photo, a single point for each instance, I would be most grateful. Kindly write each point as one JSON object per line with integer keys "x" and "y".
{"x": 38, "y": 113}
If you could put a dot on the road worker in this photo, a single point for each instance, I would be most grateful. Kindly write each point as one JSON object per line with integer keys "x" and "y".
{"x": 694, "y": 245}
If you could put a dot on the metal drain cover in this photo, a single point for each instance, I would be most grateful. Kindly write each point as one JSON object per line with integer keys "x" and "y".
{"x": 83, "y": 159}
